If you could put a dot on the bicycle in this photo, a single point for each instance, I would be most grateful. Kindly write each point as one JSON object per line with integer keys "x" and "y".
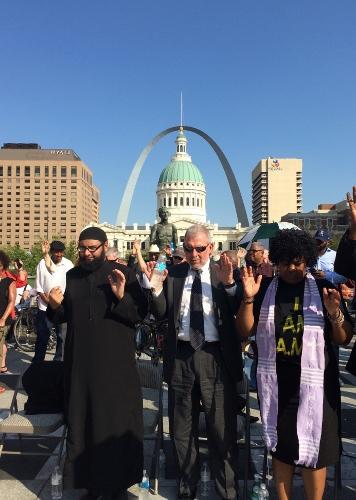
{"x": 25, "y": 329}
{"x": 149, "y": 338}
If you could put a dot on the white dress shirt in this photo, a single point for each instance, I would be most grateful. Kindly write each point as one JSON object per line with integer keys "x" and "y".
{"x": 210, "y": 330}
{"x": 45, "y": 280}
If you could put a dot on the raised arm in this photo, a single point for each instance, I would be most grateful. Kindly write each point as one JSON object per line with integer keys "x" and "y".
{"x": 341, "y": 329}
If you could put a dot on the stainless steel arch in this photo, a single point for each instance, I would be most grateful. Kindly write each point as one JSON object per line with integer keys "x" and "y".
{"x": 124, "y": 208}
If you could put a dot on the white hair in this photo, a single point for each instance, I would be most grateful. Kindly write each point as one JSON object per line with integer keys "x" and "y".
{"x": 196, "y": 229}
{"x": 112, "y": 252}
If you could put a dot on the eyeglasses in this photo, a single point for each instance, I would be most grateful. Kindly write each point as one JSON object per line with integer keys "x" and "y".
{"x": 197, "y": 249}
{"x": 91, "y": 249}
{"x": 176, "y": 257}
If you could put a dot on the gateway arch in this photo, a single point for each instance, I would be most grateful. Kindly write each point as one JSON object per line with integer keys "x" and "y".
{"x": 124, "y": 208}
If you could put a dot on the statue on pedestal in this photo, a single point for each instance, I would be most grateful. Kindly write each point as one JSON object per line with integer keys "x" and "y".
{"x": 164, "y": 233}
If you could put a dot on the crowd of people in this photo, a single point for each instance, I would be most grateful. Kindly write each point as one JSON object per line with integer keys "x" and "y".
{"x": 287, "y": 298}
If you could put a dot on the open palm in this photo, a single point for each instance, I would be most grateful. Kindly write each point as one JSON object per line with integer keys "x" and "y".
{"x": 250, "y": 283}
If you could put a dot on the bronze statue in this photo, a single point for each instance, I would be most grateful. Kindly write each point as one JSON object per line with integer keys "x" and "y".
{"x": 163, "y": 233}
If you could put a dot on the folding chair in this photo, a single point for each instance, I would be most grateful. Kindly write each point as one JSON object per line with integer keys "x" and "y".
{"x": 152, "y": 385}
{"x": 28, "y": 426}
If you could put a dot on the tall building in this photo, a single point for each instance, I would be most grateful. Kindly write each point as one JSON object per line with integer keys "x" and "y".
{"x": 276, "y": 189}
{"x": 44, "y": 193}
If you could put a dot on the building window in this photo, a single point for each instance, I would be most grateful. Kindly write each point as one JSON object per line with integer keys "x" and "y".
{"x": 181, "y": 201}
{"x": 63, "y": 171}
{"x": 187, "y": 202}
{"x": 46, "y": 172}
{"x": 37, "y": 171}
{"x": 73, "y": 171}
{"x": 17, "y": 171}
{"x": 54, "y": 171}
{"x": 197, "y": 202}
{"x": 1, "y": 171}
{"x": 219, "y": 246}
{"x": 9, "y": 171}
{"x": 27, "y": 171}
{"x": 193, "y": 202}
{"x": 232, "y": 245}
{"x": 169, "y": 202}
{"x": 164, "y": 202}
{"x": 175, "y": 200}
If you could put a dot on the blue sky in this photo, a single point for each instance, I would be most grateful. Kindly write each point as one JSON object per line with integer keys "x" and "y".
{"x": 274, "y": 78}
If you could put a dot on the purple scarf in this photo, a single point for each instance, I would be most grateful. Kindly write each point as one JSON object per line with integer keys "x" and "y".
{"x": 311, "y": 395}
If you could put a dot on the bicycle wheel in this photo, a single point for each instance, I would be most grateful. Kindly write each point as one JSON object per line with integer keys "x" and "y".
{"x": 52, "y": 341}
{"x": 25, "y": 331}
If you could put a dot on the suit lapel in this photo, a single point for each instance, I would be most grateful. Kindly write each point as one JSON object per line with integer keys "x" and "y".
{"x": 178, "y": 286}
{"x": 215, "y": 291}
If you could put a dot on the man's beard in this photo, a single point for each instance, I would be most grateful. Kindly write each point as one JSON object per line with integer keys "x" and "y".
{"x": 92, "y": 265}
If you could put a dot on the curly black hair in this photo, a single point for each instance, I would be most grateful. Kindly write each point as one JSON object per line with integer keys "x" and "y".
{"x": 290, "y": 244}
{"x": 4, "y": 259}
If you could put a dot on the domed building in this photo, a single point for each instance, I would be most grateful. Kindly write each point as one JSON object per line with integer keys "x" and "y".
{"x": 181, "y": 186}
{"x": 181, "y": 189}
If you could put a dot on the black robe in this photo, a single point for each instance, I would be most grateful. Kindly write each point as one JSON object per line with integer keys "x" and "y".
{"x": 102, "y": 388}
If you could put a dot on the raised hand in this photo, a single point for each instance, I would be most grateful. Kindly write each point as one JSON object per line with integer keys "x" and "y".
{"x": 241, "y": 253}
{"x": 117, "y": 282}
{"x": 45, "y": 247}
{"x": 55, "y": 297}
{"x": 225, "y": 271}
{"x": 250, "y": 283}
{"x": 351, "y": 200}
{"x": 331, "y": 300}
{"x": 136, "y": 247}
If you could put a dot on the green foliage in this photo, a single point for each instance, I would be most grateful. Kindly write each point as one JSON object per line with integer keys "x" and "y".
{"x": 334, "y": 243}
{"x": 31, "y": 258}
{"x": 71, "y": 251}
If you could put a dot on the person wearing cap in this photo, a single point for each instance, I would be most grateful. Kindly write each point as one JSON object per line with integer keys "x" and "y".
{"x": 178, "y": 256}
{"x": 101, "y": 304}
{"x": 45, "y": 280}
{"x": 326, "y": 258}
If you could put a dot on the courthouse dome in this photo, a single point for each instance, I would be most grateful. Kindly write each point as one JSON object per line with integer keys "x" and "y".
{"x": 180, "y": 171}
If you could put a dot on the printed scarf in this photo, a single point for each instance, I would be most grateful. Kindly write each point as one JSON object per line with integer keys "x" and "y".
{"x": 311, "y": 395}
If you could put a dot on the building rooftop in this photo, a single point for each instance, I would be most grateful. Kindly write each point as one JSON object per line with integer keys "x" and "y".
{"x": 19, "y": 152}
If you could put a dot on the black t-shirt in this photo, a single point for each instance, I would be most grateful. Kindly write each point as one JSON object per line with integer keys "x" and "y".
{"x": 4, "y": 296}
{"x": 289, "y": 322}
{"x": 289, "y": 333}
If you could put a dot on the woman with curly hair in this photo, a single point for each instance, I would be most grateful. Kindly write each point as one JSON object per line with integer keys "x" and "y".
{"x": 7, "y": 301}
{"x": 296, "y": 320}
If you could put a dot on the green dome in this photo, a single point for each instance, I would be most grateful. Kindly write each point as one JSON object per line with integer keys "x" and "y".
{"x": 180, "y": 171}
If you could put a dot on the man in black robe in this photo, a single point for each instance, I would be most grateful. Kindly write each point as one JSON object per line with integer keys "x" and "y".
{"x": 101, "y": 304}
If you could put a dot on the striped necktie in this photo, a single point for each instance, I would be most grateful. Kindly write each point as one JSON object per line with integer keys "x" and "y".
{"x": 196, "y": 330}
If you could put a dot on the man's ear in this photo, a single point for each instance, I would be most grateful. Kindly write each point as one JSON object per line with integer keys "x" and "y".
{"x": 106, "y": 245}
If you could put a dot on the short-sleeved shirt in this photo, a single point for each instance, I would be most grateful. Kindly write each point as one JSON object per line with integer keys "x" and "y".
{"x": 4, "y": 296}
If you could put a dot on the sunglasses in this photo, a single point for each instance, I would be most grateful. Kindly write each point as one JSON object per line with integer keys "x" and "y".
{"x": 197, "y": 249}
{"x": 91, "y": 249}
{"x": 176, "y": 257}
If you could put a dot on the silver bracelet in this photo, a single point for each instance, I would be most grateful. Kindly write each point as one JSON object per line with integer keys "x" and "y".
{"x": 338, "y": 319}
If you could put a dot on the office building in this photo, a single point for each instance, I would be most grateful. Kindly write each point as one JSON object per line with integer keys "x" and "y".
{"x": 276, "y": 189}
{"x": 333, "y": 216}
{"x": 44, "y": 193}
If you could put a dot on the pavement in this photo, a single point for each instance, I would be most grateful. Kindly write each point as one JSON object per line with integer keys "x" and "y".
{"x": 22, "y": 481}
